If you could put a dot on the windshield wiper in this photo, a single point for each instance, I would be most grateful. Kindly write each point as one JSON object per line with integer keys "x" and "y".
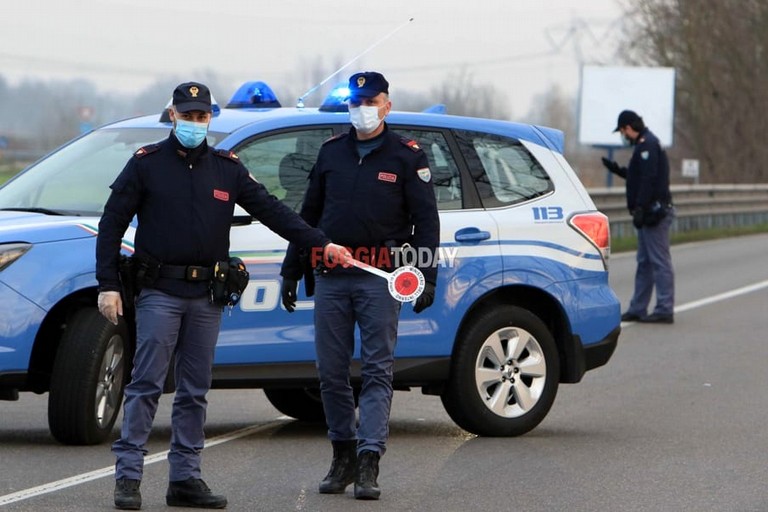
{"x": 45, "y": 211}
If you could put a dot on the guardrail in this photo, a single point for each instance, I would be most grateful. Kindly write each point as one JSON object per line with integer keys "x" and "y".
{"x": 696, "y": 207}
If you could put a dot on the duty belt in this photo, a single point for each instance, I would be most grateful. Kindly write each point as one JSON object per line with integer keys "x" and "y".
{"x": 186, "y": 272}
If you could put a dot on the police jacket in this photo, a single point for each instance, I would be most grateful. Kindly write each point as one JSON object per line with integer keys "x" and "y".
{"x": 185, "y": 201}
{"x": 648, "y": 174}
{"x": 386, "y": 197}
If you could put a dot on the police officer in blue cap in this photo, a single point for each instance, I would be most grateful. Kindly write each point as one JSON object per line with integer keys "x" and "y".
{"x": 650, "y": 202}
{"x": 369, "y": 188}
{"x": 184, "y": 193}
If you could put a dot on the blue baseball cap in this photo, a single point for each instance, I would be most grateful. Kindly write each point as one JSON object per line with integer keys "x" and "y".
{"x": 367, "y": 85}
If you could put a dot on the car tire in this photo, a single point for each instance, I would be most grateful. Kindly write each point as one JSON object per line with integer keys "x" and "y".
{"x": 504, "y": 374}
{"x": 89, "y": 375}
{"x": 303, "y": 404}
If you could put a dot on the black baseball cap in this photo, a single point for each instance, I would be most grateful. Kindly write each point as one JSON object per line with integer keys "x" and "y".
{"x": 627, "y": 117}
{"x": 367, "y": 85}
{"x": 192, "y": 96}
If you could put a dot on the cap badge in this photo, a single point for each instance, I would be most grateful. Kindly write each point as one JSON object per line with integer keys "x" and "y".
{"x": 193, "y": 91}
{"x": 360, "y": 81}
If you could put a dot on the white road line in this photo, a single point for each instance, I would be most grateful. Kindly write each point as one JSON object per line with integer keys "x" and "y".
{"x": 723, "y": 296}
{"x": 715, "y": 298}
{"x": 101, "y": 473}
{"x": 157, "y": 457}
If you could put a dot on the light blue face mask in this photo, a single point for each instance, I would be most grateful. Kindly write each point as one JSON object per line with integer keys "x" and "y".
{"x": 190, "y": 134}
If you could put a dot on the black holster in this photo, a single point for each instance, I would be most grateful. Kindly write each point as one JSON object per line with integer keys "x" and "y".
{"x": 127, "y": 274}
{"x": 147, "y": 271}
{"x": 136, "y": 272}
{"x": 228, "y": 282}
{"x": 655, "y": 214}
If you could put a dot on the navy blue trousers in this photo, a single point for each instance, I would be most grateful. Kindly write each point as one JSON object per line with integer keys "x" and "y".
{"x": 165, "y": 325}
{"x": 654, "y": 270}
{"x": 341, "y": 301}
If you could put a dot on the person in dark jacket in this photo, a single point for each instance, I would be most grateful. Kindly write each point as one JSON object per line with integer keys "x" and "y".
{"x": 184, "y": 193}
{"x": 371, "y": 191}
{"x": 650, "y": 203}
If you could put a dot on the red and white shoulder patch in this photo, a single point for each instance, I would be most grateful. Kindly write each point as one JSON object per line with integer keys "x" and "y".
{"x": 145, "y": 150}
{"x": 224, "y": 153}
{"x": 410, "y": 144}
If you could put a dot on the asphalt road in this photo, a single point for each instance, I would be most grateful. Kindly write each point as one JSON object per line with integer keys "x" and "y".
{"x": 674, "y": 422}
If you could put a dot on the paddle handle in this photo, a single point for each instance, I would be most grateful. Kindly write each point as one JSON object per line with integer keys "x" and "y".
{"x": 369, "y": 268}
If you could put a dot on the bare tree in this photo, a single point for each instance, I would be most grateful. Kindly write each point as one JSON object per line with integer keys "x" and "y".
{"x": 720, "y": 52}
{"x": 555, "y": 109}
{"x": 463, "y": 97}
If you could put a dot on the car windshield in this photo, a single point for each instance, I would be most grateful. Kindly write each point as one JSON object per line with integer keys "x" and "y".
{"x": 75, "y": 179}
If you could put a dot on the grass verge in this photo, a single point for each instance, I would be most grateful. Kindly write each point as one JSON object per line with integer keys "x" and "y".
{"x": 630, "y": 243}
{"x": 8, "y": 171}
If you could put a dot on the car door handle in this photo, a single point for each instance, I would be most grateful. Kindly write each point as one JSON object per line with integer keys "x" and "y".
{"x": 471, "y": 235}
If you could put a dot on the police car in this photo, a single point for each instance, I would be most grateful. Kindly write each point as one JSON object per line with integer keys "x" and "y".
{"x": 523, "y": 301}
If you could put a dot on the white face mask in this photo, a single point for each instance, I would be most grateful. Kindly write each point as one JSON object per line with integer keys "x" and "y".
{"x": 364, "y": 119}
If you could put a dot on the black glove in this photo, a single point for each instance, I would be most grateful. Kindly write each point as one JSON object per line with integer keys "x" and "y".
{"x": 611, "y": 166}
{"x": 638, "y": 217}
{"x": 288, "y": 292}
{"x": 426, "y": 298}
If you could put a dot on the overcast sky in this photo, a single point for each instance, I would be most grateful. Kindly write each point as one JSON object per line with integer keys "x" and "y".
{"x": 522, "y": 47}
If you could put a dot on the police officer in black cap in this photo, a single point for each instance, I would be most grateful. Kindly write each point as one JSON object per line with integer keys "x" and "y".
{"x": 650, "y": 203}
{"x": 184, "y": 193}
{"x": 369, "y": 188}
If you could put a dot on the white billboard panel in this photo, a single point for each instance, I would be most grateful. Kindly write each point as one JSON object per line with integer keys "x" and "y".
{"x": 606, "y": 91}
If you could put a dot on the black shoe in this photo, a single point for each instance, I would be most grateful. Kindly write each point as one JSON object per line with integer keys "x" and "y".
{"x": 658, "y": 318}
{"x": 127, "y": 495}
{"x": 630, "y": 317}
{"x": 366, "y": 487}
{"x": 193, "y": 493}
{"x": 342, "y": 472}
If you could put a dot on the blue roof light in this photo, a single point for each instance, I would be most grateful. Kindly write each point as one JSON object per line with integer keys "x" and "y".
{"x": 336, "y": 101}
{"x": 254, "y": 95}
{"x": 438, "y": 108}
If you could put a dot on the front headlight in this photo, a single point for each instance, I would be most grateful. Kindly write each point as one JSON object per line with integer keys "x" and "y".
{"x": 11, "y": 252}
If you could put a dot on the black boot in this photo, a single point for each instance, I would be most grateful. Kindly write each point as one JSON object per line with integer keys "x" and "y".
{"x": 342, "y": 472}
{"x": 366, "y": 486}
{"x": 193, "y": 493}
{"x": 127, "y": 495}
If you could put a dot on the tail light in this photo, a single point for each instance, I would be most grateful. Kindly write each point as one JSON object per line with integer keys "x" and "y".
{"x": 594, "y": 227}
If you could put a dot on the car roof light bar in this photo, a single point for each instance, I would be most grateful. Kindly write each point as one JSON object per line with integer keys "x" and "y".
{"x": 255, "y": 94}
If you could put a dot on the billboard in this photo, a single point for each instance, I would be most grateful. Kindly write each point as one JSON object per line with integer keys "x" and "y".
{"x": 606, "y": 91}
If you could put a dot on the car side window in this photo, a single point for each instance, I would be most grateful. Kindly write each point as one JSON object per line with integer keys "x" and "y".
{"x": 503, "y": 170}
{"x": 281, "y": 162}
{"x": 445, "y": 172}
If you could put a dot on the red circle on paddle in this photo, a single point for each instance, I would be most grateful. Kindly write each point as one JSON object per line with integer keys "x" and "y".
{"x": 406, "y": 283}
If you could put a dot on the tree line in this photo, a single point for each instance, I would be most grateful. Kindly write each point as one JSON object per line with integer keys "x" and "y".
{"x": 41, "y": 115}
{"x": 719, "y": 49}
